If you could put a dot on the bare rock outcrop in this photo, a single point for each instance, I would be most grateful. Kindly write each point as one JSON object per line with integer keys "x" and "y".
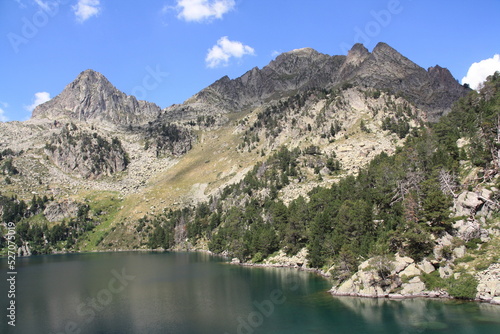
{"x": 467, "y": 203}
{"x": 281, "y": 259}
{"x": 57, "y": 211}
{"x": 384, "y": 277}
{"x": 86, "y": 155}
{"x": 469, "y": 229}
{"x": 488, "y": 288}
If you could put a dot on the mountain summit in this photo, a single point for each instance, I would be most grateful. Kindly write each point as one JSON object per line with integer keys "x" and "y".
{"x": 298, "y": 70}
{"x": 91, "y": 97}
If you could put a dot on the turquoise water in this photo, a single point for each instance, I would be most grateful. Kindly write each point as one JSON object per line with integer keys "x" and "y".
{"x": 196, "y": 293}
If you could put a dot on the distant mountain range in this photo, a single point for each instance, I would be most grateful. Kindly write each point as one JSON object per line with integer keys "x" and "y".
{"x": 91, "y": 97}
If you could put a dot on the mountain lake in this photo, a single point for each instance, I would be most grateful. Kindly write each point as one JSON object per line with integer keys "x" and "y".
{"x": 191, "y": 293}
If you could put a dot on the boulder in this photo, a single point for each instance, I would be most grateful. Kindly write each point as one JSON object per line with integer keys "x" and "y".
{"x": 462, "y": 142}
{"x": 459, "y": 252}
{"x": 468, "y": 229}
{"x": 411, "y": 271}
{"x": 401, "y": 262}
{"x": 434, "y": 294}
{"x": 426, "y": 266}
{"x": 345, "y": 288}
{"x": 494, "y": 288}
{"x": 414, "y": 287}
{"x": 486, "y": 193}
{"x": 445, "y": 271}
{"x": 467, "y": 203}
{"x": 445, "y": 240}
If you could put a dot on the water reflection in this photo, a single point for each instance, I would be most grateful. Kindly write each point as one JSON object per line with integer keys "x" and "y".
{"x": 424, "y": 315}
{"x": 196, "y": 293}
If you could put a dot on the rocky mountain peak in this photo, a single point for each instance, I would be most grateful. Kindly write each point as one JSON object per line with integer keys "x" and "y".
{"x": 295, "y": 60}
{"x": 358, "y": 50}
{"x": 387, "y": 56}
{"x": 442, "y": 76}
{"x": 91, "y": 97}
{"x": 90, "y": 76}
{"x": 89, "y": 80}
{"x": 355, "y": 57}
{"x": 303, "y": 52}
{"x": 384, "y": 48}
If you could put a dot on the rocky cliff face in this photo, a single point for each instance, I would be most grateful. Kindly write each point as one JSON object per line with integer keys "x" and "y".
{"x": 433, "y": 90}
{"x": 87, "y": 155}
{"x": 168, "y": 139}
{"x": 92, "y": 98}
{"x": 57, "y": 211}
{"x": 295, "y": 70}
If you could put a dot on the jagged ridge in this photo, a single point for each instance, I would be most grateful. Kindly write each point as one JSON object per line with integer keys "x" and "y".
{"x": 91, "y": 97}
{"x": 433, "y": 90}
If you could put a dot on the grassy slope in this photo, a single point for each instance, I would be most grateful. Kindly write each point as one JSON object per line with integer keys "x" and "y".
{"x": 105, "y": 205}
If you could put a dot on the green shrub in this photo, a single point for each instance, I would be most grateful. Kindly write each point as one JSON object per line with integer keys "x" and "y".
{"x": 464, "y": 287}
{"x": 258, "y": 257}
{"x": 482, "y": 265}
{"x": 433, "y": 281}
{"x": 473, "y": 244}
{"x": 447, "y": 252}
{"x": 465, "y": 259}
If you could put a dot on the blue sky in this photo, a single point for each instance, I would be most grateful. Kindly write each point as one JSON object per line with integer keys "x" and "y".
{"x": 164, "y": 51}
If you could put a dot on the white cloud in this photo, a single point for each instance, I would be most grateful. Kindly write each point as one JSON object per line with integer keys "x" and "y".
{"x": 275, "y": 53}
{"x": 478, "y": 72}
{"x": 40, "y": 97}
{"x": 85, "y": 9}
{"x": 220, "y": 54}
{"x": 3, "y": 105}
{"x": 201, "y": 10}
{"x": 3, "y": 118}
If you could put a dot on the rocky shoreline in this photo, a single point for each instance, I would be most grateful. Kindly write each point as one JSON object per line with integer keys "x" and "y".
{"x": 282, "y": 260}
{"x": 406, "y": 280}
{"x": 260, "y": 265}
{"x": 403, "y": 281}
{"x": 425, "y": 294}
